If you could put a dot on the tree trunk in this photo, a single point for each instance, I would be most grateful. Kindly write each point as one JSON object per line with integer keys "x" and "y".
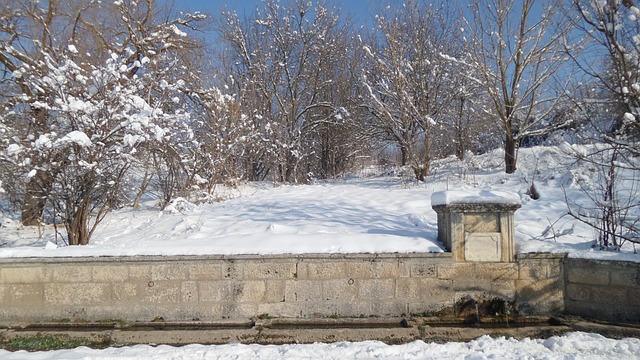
{"x": 38, "y": 187}
{"x": 510, "y": 158}
{"x": 77, "y": 229}
{"x": 460, "y": 148}
{"x": 143, "y": 188}
{"x": 422, "y": 171}
{"x": 34, "y": 203}
{"x": 404, "y": 150}
{"x": 35, "y": 198}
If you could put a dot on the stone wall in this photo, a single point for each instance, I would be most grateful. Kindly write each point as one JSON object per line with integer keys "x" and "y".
{"x": 219, "y": 287}
{"x": 604, "y": 290}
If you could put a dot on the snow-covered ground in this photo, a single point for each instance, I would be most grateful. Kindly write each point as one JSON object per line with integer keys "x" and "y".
{"x": 371, "y": 211}
{"x": 569, "y": 346}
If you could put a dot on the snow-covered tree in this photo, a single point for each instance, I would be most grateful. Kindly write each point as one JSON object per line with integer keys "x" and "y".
{"x": 98, "y": 121}
{"x": 281, "y": 59}
{"x": 407, "y": 81}
{"x": 87, "y": 90}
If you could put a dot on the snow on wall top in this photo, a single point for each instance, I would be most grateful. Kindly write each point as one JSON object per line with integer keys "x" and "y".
{"x": 459, "y": 197}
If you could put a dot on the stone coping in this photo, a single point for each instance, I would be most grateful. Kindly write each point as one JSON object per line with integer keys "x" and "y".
{"x": 542, "y": 255}
{"x": 164, "y": 258}
{"x": 476, "y": 208}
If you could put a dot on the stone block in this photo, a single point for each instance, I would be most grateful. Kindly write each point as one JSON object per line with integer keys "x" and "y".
{"x": 140, "y": 272}
{"x": 375, "y": 269}
{"x": 281, "y": 309}
{"x": 189, "y": 291}
{"x": 427, "y": 309}
{"x": 355, "y": 309}
{"x": 494, "y": 271}
{"x": 232, "y": 270}
{"x": 326, "y": 270}
{"x": 626, "y": 277}
{"x": 56, "y": 294}
{"x": 239, "y": 311}
{"x": 425, "y": 290}
{"x": 125, "y": 292}
{"x": 578, "y": 292}
{"x": 554, "y": 269}
{"x": 303, "y": 290}
{"x": 455, "y": 229}
{"x": 593, "y": 276}
{"x": 108, "y": 273}
{"x": 484, "y": 247}
{"x": 188, "y": 312}
{"x": 264, "y": 271}
{"x": 633, "y": 297}
{"x": 389, "y": 309}
{"x": 478, "y": 285}
{"x": 71, "y": 273}
{"x": 627, "y": 314}
{"x": 424, "y": 270}
{"x": 541, "y": 296}
{"x": 339, "y": 290}
{"x": 274, "y": 291}
{"x": 246, "y": 291}
{"x": 170, "y": 271}
{"x": 204, "y": 271}
{"x": 23, "y": 275}
{"x": 573, "y": 307}
{"x": 376, "y": 289}
{"x": 482, "y": 222}
{"x": 213, "y": 291}
{"x": 24, "y": 295}
{"x": 533, "y": 270}
{"x": 505, "y": 289}
{"x": 212, "y": 311}
{"x": 607, "y": 295}
{"x": 161, "y": 292}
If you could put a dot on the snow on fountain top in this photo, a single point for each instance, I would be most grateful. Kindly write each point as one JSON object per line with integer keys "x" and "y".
{"x": 475, "y": 197}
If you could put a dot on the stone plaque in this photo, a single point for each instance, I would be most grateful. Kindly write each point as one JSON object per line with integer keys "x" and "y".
{"x": 483, "y": 247}
{"x": 482, "y": 222}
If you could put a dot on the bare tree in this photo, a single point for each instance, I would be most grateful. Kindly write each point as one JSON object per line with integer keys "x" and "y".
{"x": 610, "y": 56}
{"x": 281, "y": 61}
{"x": 612, "y": 53}
{"x": 517, "y": 49}
{"x": 406, "y": 81}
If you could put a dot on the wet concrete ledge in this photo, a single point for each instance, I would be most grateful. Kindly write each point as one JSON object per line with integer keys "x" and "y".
{"x": 300, "y": 331}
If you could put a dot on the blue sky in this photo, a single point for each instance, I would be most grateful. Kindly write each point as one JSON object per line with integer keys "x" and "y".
{"x": 362, "y": 10}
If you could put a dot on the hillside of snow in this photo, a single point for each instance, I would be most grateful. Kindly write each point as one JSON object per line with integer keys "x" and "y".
{"x": 375, "y": 210}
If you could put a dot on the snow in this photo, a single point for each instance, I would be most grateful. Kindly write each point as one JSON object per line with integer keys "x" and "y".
{"x": 371, "y": 211}
{"x": 13, "y": 149}
{"x": 575, "y": 345}
{"x": 77, "y": 137}
{"x": 474, "y": 197}
{"x": 368, "y": 212}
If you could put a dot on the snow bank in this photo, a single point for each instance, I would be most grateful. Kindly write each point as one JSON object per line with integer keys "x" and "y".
{"x": 575, "y": 345}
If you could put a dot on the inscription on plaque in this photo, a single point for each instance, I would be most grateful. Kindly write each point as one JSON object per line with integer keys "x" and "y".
{"x": 483, "y": 247}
